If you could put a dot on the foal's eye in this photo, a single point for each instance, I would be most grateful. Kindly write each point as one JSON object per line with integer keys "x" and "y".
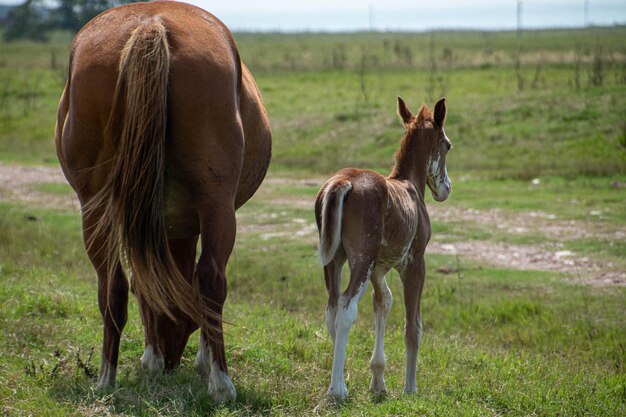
{"x": 448, "y": 145}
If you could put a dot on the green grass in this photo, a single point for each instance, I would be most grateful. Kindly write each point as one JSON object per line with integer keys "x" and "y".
{"x": 565, "y": 198}
{"x": 498, "y": 341}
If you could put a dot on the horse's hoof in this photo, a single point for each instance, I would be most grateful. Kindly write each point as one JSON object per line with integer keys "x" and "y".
{"x": 151, "y": 362}
{"x": 106, "y": 380}
{"x": 103, "y": 386}
{"x": 378, "y": 388}
{"x": 221, "y": 388}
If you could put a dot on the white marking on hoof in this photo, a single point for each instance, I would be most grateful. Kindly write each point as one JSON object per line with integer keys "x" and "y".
{"x": 203, "y": 361}
{"x": 346, "y": 316}
{"x": 221, "y": 388}
{"x": 377, "y": 383}
{"x": 151, "y": 362}
{"x": 377, "y": 386}
{"x": 106, "y": 380}
{"x": 338, "y": 393}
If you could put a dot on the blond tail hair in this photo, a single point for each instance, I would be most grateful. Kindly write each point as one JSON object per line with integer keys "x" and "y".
{"x": 131, "y": 203}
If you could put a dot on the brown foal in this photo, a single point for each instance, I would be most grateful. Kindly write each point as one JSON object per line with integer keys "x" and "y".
{"x": 377, "y": 223}
{"x": 162, "y": 133}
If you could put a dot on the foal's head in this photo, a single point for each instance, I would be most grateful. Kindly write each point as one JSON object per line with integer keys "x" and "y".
{"x": 426, "y": 143}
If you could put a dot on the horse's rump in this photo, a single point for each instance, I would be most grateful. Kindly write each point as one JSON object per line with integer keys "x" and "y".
{"x": 131, "y": 201}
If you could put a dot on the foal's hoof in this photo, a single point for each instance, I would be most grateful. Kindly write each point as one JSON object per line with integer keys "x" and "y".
{"x": 378, "y": 387}
{"x": 410, "y": 390}
{"x": 221, "y": 388}
{"x": 151, "y": 362}
{"x": 338, "y": 393}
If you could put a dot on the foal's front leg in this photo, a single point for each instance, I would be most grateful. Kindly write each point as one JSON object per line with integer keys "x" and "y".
{"x": 412, "y": 276}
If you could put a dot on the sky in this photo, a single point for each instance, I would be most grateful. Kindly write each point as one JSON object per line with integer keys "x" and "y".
{"x": 413, "y": 15}
{"x": 338, "y": 15}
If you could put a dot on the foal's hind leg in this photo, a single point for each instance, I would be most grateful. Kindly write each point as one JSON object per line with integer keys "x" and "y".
{"x": 332, "y": 276}
{"x": 346, "y": 316}
{"x": 381, "y": 300}
{"x": 112, "y": 301}
{"x": 413, "y": 281}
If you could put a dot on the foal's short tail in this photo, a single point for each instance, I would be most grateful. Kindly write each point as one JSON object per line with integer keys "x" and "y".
{"x": 130, "y": 206}
{"x": 330, "y": 202}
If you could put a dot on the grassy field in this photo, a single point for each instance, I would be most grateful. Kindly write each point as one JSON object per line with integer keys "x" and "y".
{"x": 544, "y": 338}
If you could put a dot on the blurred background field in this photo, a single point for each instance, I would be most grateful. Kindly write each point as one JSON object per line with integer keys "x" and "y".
{"x": 521, "y": 105}
{"x": 525, "y": 302}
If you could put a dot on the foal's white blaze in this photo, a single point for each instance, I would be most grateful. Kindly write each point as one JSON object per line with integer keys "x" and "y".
{"x": 437, "y": 177}
{"x": 439, "y": 184}
{"x": 346, "y": 316}
{"x": 150, "y": 361}
{"x": 107, "y": 375}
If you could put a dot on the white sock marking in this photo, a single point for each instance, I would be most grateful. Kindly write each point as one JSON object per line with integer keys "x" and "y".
{"x": 150, "y": 361}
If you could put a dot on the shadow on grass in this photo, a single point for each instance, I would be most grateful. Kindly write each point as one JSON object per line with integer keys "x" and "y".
{"x": 72, "y": 380}
{"x": 378, "y": 397}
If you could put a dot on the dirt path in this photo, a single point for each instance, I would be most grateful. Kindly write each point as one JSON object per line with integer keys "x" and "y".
{"x": 19, "y": 184}
{"x": 548, "y": 257}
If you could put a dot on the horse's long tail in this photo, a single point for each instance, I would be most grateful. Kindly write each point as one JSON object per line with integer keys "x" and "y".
{"x": 329, "y": 210}
{"x": 131, "y": 204}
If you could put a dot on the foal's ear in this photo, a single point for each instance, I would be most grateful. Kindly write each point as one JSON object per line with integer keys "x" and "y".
{"x": 404, "y": 112}
{"x": 440, "y": 112}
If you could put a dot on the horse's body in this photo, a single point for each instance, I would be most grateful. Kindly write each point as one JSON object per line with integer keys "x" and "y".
{"x": 377, "y": 223}
{"x": 162, "y": 133}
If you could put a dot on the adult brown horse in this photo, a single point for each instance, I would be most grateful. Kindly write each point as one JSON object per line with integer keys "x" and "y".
{"x": 162, "y": 133}
{"x": 377, "y": 223}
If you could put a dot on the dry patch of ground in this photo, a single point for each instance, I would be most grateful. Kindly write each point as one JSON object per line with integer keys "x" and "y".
{"x": 549, "y": 257}
{"x": 19, "y": 184}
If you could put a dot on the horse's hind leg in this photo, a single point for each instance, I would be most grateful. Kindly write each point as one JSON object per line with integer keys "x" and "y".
{"x": 332, "y": 276}
{"x": 381, "y": 300}
{"x": 218, "y": 228}
{"x": 152, "y": 358}
{"x": 112, "y": 301}
{"x": 346, "y": 316}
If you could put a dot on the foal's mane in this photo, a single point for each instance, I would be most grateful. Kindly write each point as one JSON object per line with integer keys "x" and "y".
{"x": 404, "y": 162}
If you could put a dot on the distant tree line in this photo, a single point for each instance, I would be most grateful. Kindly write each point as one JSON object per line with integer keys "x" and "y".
{"x": 34, "y": 19}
